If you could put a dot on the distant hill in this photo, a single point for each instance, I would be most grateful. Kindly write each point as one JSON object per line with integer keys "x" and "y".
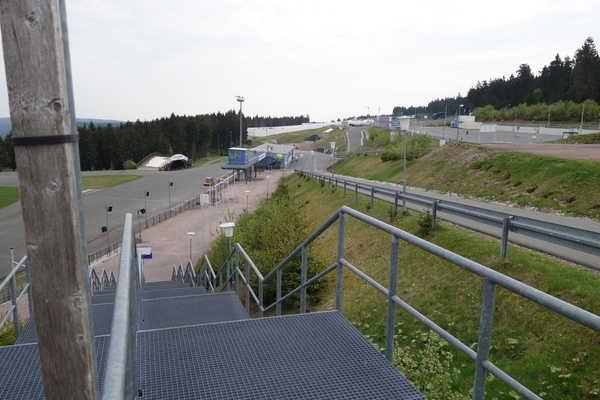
{"x": 5, "y": 123}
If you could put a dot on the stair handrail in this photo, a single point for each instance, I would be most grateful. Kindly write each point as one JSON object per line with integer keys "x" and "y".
{"x": 492, "y": 279}
{"x": 10, "y": 281}
{"x": 189, "y": 274}
{"x": 207, "y": 274}
{"x": 120, "y": 379}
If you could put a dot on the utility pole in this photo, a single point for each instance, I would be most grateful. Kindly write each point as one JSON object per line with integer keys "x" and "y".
{"x": 240, "y": 99}
{"x": 40, "y": 94}
{"x": 581, "y": 123}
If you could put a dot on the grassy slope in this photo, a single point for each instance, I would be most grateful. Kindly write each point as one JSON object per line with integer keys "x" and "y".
{"x": 592, "y": 138}
{"x": 526, "y": 180}
{"x": 98, "y": 182}
{"x": 337, "y": 135}
{"x": 550, "y": 354}
{"x": 210, "y": 159}
{"x": 8, "y": 195}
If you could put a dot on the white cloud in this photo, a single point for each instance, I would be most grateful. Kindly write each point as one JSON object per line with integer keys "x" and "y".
{"x": 148, "y": 58}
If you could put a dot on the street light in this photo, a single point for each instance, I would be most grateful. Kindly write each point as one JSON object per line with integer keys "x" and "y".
{"x": 146, "y": 202}
{"x": 457, "y": 119}
{"x": 191, "y": 236}
{"x": 240, "y": 99}
{"x": 106, "y": 227}
{"x": 247, "y": 193}
{"x": 227, "y": 229}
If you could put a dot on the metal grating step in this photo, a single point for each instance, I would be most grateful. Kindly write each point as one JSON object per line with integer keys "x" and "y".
{"x": 21, "y": 378}
{"x": 168, "y": 312}
{"x": 316, "y": 356}
{"x": 101, "y": 313}
{"x": 164, "y": 285}
{"x": 172, "y": 292}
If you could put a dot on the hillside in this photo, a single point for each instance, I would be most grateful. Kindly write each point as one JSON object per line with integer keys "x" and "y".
{"x": 558, "y": 363}
{"x": 526, "y": 180}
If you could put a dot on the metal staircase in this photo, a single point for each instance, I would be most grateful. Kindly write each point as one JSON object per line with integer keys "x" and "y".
{"x": 193, "y": 337}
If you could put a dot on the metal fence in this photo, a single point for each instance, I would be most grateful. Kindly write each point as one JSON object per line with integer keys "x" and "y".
{"x": 585, "y": 244}
{"x": 9, "y": 303}
{"x": 231, "y": 274}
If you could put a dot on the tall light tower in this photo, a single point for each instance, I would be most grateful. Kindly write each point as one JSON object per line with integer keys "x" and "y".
{"x": 240, "y": 99}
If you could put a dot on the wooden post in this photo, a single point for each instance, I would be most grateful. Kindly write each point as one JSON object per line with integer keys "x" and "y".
{"x": 38, "y": 75}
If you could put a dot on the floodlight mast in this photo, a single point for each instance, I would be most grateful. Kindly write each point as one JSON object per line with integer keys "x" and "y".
{"x": 240, "y": 99}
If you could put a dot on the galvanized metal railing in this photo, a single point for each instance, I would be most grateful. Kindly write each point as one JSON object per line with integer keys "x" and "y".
{"x": 207, "y": 275}
{"x": 14, "y": 297}
{"x": 120, "y": 379}
{"x": 581, "y": 240}
{"x": 492, "y": 279}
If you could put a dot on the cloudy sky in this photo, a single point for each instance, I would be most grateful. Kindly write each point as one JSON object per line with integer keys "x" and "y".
{"x": 147, "y": 58}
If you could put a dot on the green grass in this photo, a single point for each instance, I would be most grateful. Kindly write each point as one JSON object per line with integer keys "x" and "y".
{"x": 288, "y": 138}
{"x": 526, "y": 180}
{"x": 553, "y": 356}
{"x": 592, "y": 138}
{"x": 210, "y": 159}
{"x": 8, "y": 195}
{"x": 99, "y": 182}
{"x": 337, "y": 135}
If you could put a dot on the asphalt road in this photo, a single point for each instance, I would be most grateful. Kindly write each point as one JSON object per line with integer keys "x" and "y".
{"x": 353, "y": 136}
{"x": 128, "y": 197}
{"x": 559, "y": 249}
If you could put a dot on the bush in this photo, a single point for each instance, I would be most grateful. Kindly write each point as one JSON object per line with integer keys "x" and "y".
{"x": 425, "y": 223}
{"x": 129, "y": 164}
{"x": 417, "y": 147}
{"x": 268, "y": 235}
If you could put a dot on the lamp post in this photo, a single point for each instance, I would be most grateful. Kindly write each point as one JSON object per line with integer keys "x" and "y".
{"x": 106, "y": 227}
{"x": 247, "y": 193}
{"x": 458, "y": 120}
{"x": 227, "y": 229}
{"x": 240, "y": 99}
{"x": 170, "y": 189}
{"x": 146, "y": 202}
{"x": 191, "y": 236}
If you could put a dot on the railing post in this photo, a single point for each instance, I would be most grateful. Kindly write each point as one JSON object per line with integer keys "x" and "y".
{"x": 391, "y": 317}
{"x": 339, "y": 282}
{"x": 395, "y": 203}
{"x": 278, "y": 291}
{"x": 13, "y": 301}
{"x": 484, "y": 340}
{"x": 504, "y": 239}
{"x": 372, "y": 195}
{"x": 247, "y": 272}
{"x": 303, "y": 274}
{"x": 355, "y": 191}
{"x": 434, "y": 208}
{"x": 260, "y": 297}
{"x": 344, "y": 187}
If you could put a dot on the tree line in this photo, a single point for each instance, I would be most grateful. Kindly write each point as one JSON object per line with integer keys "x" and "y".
{"x": 108, "y": 147}
{"x": 259, "y": 121}
{"x": 565, "y": 79}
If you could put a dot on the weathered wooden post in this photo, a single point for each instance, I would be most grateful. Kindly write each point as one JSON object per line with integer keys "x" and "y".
{"x": 40, "y": 93}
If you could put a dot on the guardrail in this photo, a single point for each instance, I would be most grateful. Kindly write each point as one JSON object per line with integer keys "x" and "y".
{"x": 554, "y": 234}
{"x": 492, "y": 279}
{"x": 120, "y": 379}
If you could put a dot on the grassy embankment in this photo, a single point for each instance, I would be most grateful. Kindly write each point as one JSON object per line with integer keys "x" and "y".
{"x": 555, "y": 357}
{"x": 547, "y": 183}
{"x": 209, "y": 159}
{"x": 336, "y": 135}
{"x": 10, "y": 194}
{"x": 592, "y": 138}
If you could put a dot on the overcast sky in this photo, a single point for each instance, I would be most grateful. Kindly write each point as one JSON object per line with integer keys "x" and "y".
{"x": 147, "y": 58}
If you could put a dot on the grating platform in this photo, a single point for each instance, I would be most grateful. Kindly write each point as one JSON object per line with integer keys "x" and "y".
{"x": 184, "y": 310}
{"x": 308, "y": 356}
{"x": 101, "y": 313}
{"x": 164, "y": 285}
{"x": 21, "y": 378}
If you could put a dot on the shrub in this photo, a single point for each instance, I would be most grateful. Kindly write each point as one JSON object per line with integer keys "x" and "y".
{"x": 425, "y": 223}
{"x": 129, "y": 164}
{"x": 268, "y": 235}
{"x": 417, "y": 147}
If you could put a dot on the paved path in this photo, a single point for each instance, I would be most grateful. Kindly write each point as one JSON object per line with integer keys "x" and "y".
{"x": 127, "y": 197}
{"x": 170, "y": 242}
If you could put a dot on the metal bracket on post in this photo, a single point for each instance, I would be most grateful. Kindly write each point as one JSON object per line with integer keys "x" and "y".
{"x": 434, "y": 208}
{"x": 303, "y": 275}
{"x": 504, "y": 238}
{"x": 339, "y": 282}
{"x": 485, "y": 337}
{"x": 391, "y": 317}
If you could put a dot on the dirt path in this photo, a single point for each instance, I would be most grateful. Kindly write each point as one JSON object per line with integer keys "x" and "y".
{"x": 589, "y": 152}
{"x": 170, "y": 242}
